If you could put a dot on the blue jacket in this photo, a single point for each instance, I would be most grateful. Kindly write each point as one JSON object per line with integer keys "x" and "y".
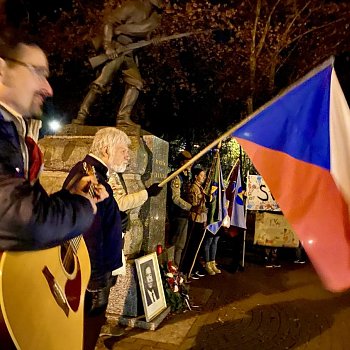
{"x": 104, "y": 237}
{"x": 31, "y": 219}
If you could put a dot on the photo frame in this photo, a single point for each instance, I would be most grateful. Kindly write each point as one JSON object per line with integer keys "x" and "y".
{"x": 151, "y": 286}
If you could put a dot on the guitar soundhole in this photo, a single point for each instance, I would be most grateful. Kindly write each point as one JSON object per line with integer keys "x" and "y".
{"x": 67, "y": 258}
{"x": 71, "y": 265}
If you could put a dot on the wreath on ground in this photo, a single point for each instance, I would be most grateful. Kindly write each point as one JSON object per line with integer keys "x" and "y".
{"x": 175, "y": 289}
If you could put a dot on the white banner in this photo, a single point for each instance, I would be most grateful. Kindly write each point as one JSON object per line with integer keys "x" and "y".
{"x": 273, "y": 230}
{"x": 259, "y": 196}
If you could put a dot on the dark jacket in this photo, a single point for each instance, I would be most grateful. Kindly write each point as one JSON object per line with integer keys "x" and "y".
{"x": 31, "y": 219}
{"x": 148, "y": 297}
{"x": 104, "y": 238}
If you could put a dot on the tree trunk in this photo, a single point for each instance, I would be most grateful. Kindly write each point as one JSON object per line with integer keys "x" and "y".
{"x": 250, "y": 106}
{"x": 272, "y": 76}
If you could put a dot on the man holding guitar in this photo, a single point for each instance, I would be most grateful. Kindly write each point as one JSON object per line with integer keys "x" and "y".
{"x": 30, "y": 219}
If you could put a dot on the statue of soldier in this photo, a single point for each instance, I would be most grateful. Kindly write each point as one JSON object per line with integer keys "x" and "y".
{"x": 133, "y": 20}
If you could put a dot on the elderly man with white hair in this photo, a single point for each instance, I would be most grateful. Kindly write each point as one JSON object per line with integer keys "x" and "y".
{"x": 109, "y": 153}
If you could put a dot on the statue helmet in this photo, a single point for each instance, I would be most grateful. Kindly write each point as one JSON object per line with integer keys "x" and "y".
{"x": 157, "y": 3}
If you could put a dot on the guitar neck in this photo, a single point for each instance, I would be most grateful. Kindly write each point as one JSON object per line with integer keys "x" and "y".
{"x": 90, "y": 170}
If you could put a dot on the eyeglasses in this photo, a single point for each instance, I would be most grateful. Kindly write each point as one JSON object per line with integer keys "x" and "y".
{"x": 40, "y": 72}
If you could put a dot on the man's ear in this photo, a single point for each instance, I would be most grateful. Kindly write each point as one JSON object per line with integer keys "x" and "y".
{"x": 105, "y": 152}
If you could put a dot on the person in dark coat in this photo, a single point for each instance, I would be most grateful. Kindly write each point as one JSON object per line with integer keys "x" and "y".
{"x": 109, "y": 152}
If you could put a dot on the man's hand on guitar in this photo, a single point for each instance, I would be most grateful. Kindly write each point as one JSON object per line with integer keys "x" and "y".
{"x": 89, "y": 188}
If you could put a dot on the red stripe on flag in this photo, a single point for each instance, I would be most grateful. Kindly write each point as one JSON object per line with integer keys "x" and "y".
{"x": 313, "y": 206}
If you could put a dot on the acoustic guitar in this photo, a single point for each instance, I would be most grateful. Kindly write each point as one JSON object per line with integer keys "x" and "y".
{"x": 42, "y": 296}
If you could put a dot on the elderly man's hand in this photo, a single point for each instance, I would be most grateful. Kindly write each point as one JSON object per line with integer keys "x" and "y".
{"x": 153, "y": 190}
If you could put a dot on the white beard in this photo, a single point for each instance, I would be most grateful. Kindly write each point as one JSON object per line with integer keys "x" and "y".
{"x": 119, "y": 168}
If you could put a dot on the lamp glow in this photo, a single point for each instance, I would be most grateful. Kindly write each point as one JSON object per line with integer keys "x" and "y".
{"x": 54, "y": 125}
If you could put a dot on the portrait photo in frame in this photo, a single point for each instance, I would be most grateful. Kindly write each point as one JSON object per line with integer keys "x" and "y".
{"x": 152, "y": 292}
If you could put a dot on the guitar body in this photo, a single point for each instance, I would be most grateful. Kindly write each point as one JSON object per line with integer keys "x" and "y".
{"x": 42, "y": 298}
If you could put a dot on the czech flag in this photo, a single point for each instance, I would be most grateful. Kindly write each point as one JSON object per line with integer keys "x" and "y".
{"x": 300, "y": 144}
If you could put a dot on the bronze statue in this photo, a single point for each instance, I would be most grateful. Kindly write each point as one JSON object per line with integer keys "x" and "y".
{"x": 134, "y": 20}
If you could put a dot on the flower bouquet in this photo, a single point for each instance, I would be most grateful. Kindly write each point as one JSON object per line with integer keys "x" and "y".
{"x": 176, "y": 292}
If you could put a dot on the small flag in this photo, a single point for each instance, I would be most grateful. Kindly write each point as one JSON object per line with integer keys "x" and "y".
{"x": 234, "y": 195}
{"x": 300, "y": 144}
{"x": 217, "y": 210}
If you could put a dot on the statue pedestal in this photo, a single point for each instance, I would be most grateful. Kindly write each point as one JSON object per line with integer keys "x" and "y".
{"x": 125, "y": 296}
{"x": 150, "y": 218}
{"x": 153, "y": 212}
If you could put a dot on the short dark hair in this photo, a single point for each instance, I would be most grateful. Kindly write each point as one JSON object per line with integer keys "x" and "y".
{"x": 197, "y": 170}
{"x": 10, "y": 41}
{"x": 146, "y": 265}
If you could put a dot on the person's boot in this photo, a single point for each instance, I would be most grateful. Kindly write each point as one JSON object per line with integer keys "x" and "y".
{"x": 213, "y": 267}
{"x": 127, "y": 104}
{"x": 85, "y": 106}
{"x": 209, "y": 268}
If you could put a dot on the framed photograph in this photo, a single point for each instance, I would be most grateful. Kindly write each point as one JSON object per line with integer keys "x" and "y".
{"x": 151, "y": 286}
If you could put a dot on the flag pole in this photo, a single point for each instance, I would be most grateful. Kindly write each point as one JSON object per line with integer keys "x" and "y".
{"x": 201, "y": 153}
{"x": 197, "y": 251}
{"x": 244, "y": 233}
{"x": 233, "y": 166}
{"x": 207, "y": 183}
